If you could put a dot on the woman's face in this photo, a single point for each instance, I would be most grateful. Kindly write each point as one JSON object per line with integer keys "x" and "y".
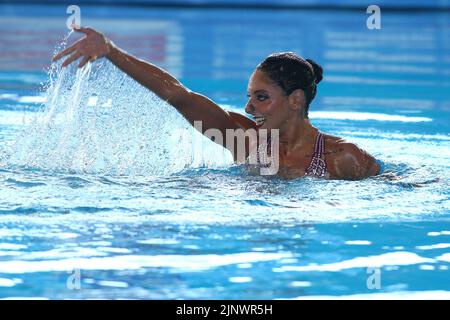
{"x": 267, "y": 102}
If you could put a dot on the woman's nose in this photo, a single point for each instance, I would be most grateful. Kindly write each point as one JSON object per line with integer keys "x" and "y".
{"x": 249, "y": 108}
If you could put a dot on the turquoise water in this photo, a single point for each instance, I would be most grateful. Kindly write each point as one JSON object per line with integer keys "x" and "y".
{"x": 103, "y": 183}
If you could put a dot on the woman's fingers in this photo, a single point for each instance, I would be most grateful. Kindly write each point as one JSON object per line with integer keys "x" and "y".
{"x": 83, "y": 61}
{"x": 65, "y": 52}
{"x": 74, "y": 47}
{"x": 70, "y": 59}
{"x": 82, "y": 29}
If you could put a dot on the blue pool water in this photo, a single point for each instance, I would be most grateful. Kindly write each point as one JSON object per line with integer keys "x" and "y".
{"x": 103, "y": 183}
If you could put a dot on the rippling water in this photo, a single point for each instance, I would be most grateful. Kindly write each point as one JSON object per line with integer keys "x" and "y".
{"x": 103, "y": 183}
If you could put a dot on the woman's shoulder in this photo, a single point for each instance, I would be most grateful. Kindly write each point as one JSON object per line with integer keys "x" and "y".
{"x": 340, "y": 146}
{"x": 347, "y": 159}
{"x": 336, "y": 145}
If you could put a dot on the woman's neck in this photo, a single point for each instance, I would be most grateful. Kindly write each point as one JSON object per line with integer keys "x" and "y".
{"x": 297, "y": 133}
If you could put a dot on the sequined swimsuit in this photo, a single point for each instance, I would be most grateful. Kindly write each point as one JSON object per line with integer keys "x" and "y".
{"x": 318, "y": 167}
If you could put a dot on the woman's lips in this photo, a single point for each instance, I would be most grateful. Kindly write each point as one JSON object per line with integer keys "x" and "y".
{"x": 259, "y": 121}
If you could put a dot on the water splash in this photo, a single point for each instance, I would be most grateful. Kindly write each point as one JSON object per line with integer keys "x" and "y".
{"x": 99, "y": 120}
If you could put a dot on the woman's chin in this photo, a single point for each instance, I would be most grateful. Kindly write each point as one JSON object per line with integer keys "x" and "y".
{"x": 261, "y": 126}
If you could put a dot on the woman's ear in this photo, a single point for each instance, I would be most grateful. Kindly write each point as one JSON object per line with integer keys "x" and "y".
{"x": 297, "y": 99}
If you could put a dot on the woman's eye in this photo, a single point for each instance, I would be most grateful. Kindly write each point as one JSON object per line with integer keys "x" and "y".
{"x": 261, "y": 98}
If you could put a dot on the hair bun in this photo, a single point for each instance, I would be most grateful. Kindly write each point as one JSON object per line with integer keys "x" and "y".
{"x": 318, "y": 71}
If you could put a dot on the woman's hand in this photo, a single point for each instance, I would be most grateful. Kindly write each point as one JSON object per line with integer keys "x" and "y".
{"x": 93, "y": 46}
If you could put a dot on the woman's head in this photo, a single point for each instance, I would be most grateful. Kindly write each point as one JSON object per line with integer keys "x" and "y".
{"x": 291, "y": 72}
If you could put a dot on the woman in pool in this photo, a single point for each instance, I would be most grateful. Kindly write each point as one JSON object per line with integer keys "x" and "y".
{"x": 280, "y": 91}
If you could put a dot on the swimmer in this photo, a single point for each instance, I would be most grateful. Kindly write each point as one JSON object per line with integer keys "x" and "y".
{"x": 280, "y": 91}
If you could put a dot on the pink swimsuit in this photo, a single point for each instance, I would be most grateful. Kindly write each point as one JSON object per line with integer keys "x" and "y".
{"x": 318, "y": 166}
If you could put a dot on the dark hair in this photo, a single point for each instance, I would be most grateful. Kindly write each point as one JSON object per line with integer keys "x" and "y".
{"x": 292, "y": 72}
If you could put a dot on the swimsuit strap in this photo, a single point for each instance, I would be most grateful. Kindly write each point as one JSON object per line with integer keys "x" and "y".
{"x": 318, "y": 166}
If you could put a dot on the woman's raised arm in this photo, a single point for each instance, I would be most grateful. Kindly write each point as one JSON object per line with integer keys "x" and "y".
{"x": 193, "y": 106}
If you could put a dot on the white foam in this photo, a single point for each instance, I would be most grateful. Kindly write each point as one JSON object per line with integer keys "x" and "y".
{"x": 445, "y": 257}
{"x": 438, "y": 233}
{"x": 400, "y": 295}
{"x": 32, "y": 99}
{"x": 14, "y": 118}
{"x": 386, "y": 259}
{"x": 116, "y": 284}
{"x": 158, "y": 241}
{"x": 358, "y": 242}
{"x": 5, "y": 282}
{"x": 365, "y": 116}
{"x": 186, "y": 263}
{"x": 240, "y": 279}
{"x": 12, "y": 246}
{"x": 434, "y": 246}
